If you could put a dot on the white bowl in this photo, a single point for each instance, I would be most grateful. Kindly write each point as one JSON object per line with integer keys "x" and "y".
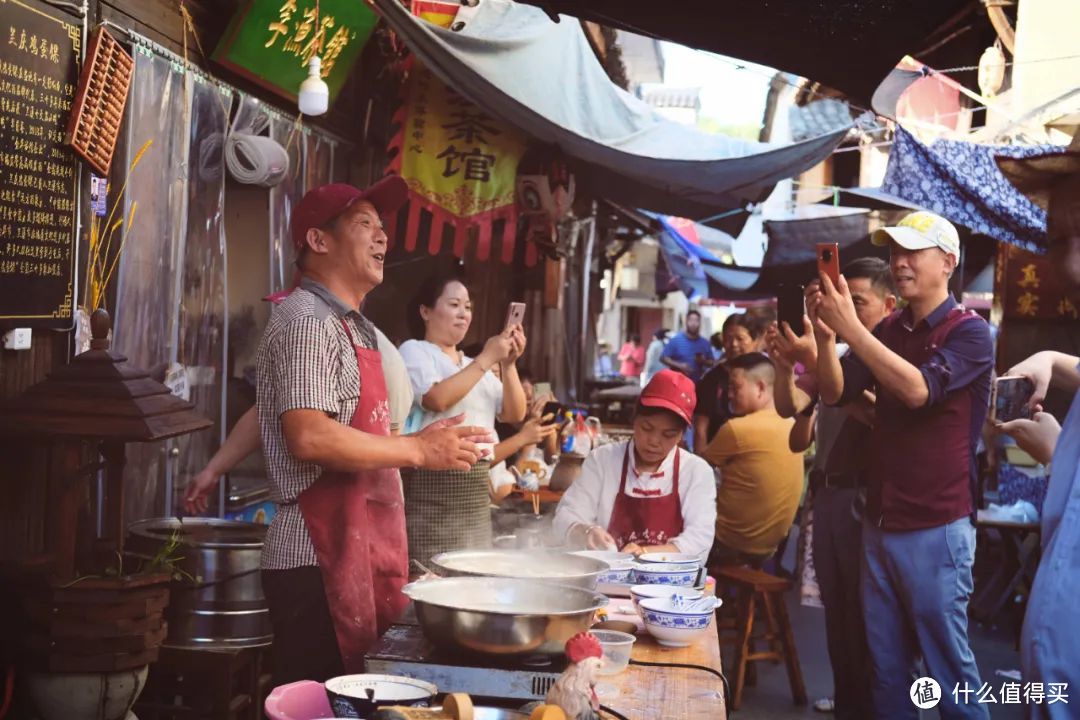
{"x": 674, "y": 623}
{"x": 669, "y": 558}
{"x": 621, "y": 564}
{"x": 680, "y": 575}
{"x": 641, "y": 592}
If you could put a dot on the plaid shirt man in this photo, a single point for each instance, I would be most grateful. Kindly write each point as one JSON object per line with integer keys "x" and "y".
{"x": 306, "y": 360}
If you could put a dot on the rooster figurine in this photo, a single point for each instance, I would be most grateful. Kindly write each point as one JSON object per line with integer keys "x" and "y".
{"x": 575, "y": 690}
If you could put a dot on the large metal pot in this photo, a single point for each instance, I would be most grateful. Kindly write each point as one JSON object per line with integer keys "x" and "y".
{"x": 549, "y": 566}
{"x": 502, "y": 616}
{"x": 225, "y": 607}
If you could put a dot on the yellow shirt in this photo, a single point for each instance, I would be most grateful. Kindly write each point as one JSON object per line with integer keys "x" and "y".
{"x": 761, "y": 481}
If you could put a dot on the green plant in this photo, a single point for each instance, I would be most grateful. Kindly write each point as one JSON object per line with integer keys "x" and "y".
{"x": 164, "y": 562}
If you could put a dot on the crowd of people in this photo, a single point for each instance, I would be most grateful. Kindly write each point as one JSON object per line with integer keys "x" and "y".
{"x": 377, "y": 455}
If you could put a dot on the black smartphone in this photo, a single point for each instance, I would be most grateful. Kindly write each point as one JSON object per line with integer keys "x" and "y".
{"x": 1011, "y": 395}
{"x": 790, "y": 307}
{"x": 553, "y": 408}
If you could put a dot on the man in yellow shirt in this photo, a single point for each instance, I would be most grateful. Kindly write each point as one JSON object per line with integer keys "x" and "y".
{"x": 761, "y": 480}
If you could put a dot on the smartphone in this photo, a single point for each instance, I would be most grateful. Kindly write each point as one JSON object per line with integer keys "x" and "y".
{"x": 828, "y": 261}
{"x": 541, "y": 389}
{"x": 515, "y": 315}
{"x": 1010, "y": 397}
{"x": 553, "y": 408}
{"x": 790, "y": 307}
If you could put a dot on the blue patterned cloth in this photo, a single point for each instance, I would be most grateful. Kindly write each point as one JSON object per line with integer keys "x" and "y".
{"x": 1015, "y": 485}
{"x": 961, "y": 182}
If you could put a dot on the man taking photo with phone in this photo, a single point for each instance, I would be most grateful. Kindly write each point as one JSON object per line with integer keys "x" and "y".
{"x": 930, "y": 366}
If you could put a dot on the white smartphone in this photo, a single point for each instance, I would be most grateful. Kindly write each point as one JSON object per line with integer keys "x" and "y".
{"x": 515, "y": 315}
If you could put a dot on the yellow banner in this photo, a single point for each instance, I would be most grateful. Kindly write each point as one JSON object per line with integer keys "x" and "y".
{"x": 453, "y": 154}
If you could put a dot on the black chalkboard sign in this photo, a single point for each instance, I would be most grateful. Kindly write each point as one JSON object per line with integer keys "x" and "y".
{"x": 40, "y": 50}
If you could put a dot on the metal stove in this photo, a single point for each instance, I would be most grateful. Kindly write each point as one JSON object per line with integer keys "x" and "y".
{"x": 403, "y": 650}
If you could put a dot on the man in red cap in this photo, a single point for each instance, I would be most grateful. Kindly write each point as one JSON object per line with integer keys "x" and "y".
{"x": 335, "y": 556}
{"x": 645, "y": 494}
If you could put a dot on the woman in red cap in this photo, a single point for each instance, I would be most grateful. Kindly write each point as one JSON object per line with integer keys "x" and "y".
{"x": 646, "y": 494}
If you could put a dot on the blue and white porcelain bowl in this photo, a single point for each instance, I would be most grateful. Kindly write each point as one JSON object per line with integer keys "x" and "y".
{"x": 358, "y": 696}
{"x": 669, "y": 558}
{"x": 642, "y": 592}
{"x": 621, "y": 566}
{"x": 680, "y": 575}
{"x": 675, "y": 621}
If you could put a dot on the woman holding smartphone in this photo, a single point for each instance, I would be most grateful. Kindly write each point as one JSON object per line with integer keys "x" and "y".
{"x": 448, "y": 510}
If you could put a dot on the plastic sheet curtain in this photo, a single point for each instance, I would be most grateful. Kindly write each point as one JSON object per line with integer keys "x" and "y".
{"x": 170, "y": 305}
{"x": 203, "y": 309}
{"x": 146, "y": 321}
{"x": 312, "y": 162}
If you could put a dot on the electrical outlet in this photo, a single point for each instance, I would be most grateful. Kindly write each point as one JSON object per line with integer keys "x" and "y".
{"x": 17, "y": 339}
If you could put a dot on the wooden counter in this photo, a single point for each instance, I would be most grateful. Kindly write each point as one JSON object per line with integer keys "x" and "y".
{"x": 654, "y": 692}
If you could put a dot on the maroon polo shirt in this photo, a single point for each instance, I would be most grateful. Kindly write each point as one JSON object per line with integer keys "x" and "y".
{"x": 921, "y": 468}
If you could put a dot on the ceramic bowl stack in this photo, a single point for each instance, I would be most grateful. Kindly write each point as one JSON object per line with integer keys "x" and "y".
{"x": 677, "y": 621}
{"x": 620, "y": 572}
{"x": 678, "y": 569}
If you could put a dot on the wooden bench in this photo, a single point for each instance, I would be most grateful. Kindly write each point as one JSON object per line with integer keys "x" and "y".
{"x": 757, "y": 590}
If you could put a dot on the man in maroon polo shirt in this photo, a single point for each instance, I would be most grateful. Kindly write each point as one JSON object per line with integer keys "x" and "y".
{"x": 930, "y": 366}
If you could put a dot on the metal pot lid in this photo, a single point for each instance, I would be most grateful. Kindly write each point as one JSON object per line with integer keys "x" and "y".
{"x": 202, "y": 532}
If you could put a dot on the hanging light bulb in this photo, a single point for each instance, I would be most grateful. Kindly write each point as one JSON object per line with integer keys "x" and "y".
{"x": 314, "y": 96}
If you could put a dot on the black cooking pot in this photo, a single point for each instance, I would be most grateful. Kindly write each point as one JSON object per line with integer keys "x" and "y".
{"x": 358, "y": 696}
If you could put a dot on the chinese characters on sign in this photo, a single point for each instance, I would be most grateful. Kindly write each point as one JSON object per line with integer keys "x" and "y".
{"x": 38, "y": 173}
{"x": 1028, "y": 289}
{"x": 460, "y": 163}
{"x": 1012, "y": 693}
{"x": 272, "y": 41}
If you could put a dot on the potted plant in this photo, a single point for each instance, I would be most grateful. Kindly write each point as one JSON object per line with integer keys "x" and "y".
{"x": 90, "y": 641}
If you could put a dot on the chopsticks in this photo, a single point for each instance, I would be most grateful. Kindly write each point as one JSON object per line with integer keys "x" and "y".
{"x": 536, "y": 503}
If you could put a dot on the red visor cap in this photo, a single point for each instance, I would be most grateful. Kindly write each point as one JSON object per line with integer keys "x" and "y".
{"x": 671, "y": 390}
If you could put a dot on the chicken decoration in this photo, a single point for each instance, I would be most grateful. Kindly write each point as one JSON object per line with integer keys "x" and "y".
{"x": 575, "y": 690}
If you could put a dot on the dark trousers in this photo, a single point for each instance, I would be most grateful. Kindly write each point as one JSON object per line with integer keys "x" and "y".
{"x": 837, "y": 547}
{"x": 305, "y": 646}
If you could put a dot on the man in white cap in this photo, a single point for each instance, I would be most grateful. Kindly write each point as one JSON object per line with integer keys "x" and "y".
{"x": 930, "y": 366}
{"x": 1049, "y": 651}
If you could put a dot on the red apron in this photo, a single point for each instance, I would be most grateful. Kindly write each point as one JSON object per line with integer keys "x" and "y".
{"x": 646, "y": 520}
{"x": 357, "y": 524}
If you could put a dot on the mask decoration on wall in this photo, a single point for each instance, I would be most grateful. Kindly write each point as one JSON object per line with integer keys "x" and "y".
{"x": 545, "y": 195}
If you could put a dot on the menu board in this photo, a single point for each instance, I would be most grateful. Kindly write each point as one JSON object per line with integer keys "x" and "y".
{"x": 39, "y": 69}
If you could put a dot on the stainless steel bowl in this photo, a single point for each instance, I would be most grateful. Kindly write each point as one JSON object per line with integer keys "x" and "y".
{"x": 550, "y": 566}
{"x": 502, "y": 616}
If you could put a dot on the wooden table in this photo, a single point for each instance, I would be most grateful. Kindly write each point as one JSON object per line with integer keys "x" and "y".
{"x": 651, "y": 692}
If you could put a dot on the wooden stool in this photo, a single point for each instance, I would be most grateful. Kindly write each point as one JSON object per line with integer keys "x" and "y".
{"x": 754, "y": 587}
{"x": 222, "y": 684}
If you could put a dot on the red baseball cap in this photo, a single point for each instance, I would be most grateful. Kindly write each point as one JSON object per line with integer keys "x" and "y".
{"x": 671, "y": 390}
{"x": 322, "y": 204}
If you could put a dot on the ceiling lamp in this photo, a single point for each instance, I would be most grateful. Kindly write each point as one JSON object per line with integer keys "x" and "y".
{"x": 314, "y": 96}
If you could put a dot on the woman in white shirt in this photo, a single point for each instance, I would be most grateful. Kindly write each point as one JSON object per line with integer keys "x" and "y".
{"x": 449, "y": 510}
{"x": 645, "y": 494}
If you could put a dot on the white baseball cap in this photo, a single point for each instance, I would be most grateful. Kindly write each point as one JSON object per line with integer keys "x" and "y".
{"x": 921, "y": 230}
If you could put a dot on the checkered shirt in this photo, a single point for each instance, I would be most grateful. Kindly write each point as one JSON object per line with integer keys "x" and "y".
{"x": 306, "y": 360}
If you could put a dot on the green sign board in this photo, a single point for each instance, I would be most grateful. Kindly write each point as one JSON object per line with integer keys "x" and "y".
{"x": 271, "y": 41}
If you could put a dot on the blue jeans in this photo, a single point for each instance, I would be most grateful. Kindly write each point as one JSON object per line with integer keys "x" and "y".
{"x": 915, "y": 588}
